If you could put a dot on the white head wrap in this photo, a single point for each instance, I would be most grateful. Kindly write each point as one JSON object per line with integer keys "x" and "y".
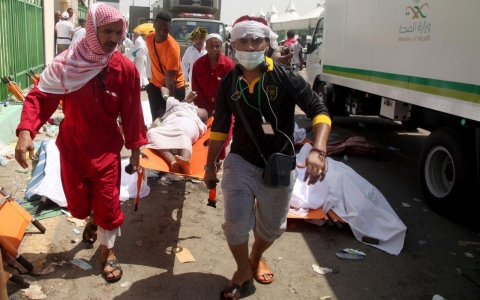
{"x": 273, "y": 40}
{"x": 214, "y": 35}
{"x": 250, "y": 27}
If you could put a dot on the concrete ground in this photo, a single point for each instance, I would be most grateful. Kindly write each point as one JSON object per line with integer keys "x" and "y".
{"x": 175, "y": 217}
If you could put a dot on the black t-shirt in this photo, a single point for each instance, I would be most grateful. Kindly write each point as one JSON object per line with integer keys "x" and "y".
{"x": 284, "y": 90}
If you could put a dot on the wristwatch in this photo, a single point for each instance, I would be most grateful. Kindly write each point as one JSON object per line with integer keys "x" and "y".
{"x": 207, "y": 168}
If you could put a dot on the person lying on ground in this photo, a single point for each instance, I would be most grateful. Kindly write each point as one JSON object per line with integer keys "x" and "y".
{"x": 181, "y": 126}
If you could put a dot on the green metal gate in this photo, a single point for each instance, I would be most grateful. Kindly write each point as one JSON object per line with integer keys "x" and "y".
{"x": 21, "y": 41}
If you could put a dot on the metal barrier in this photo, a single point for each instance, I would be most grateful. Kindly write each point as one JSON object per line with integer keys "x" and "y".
{"x": 21, "y": 40}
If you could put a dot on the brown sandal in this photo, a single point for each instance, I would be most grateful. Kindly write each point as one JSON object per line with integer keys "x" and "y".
{"x": 115, "y": 266}
{"x": 89, "y": 228}
{"x": 260, "y": 268}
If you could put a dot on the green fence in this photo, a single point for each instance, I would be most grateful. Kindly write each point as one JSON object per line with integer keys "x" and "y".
{"x": 21, "y": 41}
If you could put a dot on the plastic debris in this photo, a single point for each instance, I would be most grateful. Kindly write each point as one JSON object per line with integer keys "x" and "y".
{"x": 353, "y": 251}
{"x": 325, "y": 297}
{"x": 139, "y": 243}
{"x": 391, "y": 148}
{"x": 78, "y": 222}
{"x": 406, "y": 205}
{"x": 125, "y": 284}
{"x": 321, "y": 270}
{"x": 418, "y": 200}
{"x": 34, "y": 292}
{"x": 345, "y": 158}
{"x": 81, "y": 264}
{"x": 349, "y": 256}
{"x": 469, "y": 255}
{"x": 152, "y": 173}
{"x": 73, "y": 241}
{"x": 76, "y": 231}
{"x": 59, "y": 264}
{"x": 438, "y": 297}
{"x": 421, "y": 242}
{"x": 23, "y": 171}
{"x": 48, "y": 269}
{"x": 361, "y": 125}
{"x": 3, "y": 161}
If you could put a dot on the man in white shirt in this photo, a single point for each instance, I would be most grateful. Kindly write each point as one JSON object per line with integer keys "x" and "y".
{"x": 296, "y": 48}
{"x": 128, "y": 48}
{"x": 194, "y": 52}
{"x": 64, "y": 31}
{"x": 140, "y": 53}
{"x": 80, "y": 31}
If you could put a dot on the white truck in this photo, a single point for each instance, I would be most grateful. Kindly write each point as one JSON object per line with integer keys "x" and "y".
{"x": 414, "y": 61}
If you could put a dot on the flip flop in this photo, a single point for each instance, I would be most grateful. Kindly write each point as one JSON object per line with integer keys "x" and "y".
{"x": 87, "y": 230}
{"x": 113, "y": 264}
{"x": 260, "y": 268}
{"x": 235, "y": 289}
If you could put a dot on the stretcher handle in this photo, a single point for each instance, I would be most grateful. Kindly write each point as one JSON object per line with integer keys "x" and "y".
{"x": 333, "y": 216}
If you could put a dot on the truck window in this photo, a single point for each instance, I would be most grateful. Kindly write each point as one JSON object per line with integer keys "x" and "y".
{"x": 318, "y": 37}
{"x": 212, "y": 27}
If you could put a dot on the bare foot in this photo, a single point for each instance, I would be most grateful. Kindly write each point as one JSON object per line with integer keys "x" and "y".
{"x": 184, "y": 164}
{"x": 111, "y": 271}
{"x": 175, "y": 167}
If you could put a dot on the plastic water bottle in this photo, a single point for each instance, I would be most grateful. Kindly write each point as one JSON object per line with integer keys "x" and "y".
{"x": 3, "y": 161}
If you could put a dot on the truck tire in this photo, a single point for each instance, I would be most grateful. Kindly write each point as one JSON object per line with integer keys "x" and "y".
{"x": 444, "y": 169}
{"x": 320, "y": 91}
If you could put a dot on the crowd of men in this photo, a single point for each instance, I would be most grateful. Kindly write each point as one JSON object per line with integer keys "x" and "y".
{"x": 252, "y": 101}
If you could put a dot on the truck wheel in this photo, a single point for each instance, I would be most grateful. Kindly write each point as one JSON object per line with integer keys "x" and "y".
{"x": 320, "y": 91}
{"x": 444, "y": 169}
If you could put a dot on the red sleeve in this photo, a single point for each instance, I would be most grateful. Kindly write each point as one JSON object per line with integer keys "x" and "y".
{"x": 131, "y": 111}
{"x": 38, "y": 107}
{"x": 201, "y": 100}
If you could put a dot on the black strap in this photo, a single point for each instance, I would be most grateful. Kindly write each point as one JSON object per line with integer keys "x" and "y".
{"x": 101, "y": 76}
{"x": 163, "y": 72}
{"x": 244, "y": 120}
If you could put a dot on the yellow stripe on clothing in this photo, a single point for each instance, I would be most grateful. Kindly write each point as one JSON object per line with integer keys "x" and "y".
{"x": 322, "y": 119}
{"x": 218, "y": 136}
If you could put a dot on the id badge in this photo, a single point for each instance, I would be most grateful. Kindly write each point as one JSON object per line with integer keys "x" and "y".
{"x": 267, "y": 128}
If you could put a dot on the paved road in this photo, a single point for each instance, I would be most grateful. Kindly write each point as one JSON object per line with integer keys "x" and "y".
{"x": 176, "y": 216}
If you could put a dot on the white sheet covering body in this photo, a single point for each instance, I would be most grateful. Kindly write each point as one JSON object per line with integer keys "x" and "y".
{"x": 51, "y": 184}
{"x": 354, "y": 200}
{"x": 180, "y": 127}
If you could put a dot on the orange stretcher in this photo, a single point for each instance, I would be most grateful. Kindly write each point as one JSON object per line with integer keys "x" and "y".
{"x": 152, "y": 160}
{"x": 14, "y": 220}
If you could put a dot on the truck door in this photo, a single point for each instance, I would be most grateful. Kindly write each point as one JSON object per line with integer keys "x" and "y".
{"x": 314, "y": 52}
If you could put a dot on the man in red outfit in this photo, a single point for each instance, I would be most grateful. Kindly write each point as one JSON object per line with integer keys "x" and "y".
{"x": 207, "y": 72}
{"x": 96, "y": 84}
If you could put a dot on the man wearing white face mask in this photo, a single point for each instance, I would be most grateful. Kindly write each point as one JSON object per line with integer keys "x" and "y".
{"x": 263, "y": 94}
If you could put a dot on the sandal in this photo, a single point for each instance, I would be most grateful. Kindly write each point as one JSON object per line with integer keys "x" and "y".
{"x": 235, "y": 289}
{"x": 88, "y": 231}
{"x": 116, "y": 267}
{"x": 260, "y": 268}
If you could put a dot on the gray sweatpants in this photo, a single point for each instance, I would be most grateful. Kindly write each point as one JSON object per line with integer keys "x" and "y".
{"x": 242, "y": 183}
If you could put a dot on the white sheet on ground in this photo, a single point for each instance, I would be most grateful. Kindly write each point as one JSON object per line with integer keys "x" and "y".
{"x": 354, "y": 200}
{"x": 51, "y": 185}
